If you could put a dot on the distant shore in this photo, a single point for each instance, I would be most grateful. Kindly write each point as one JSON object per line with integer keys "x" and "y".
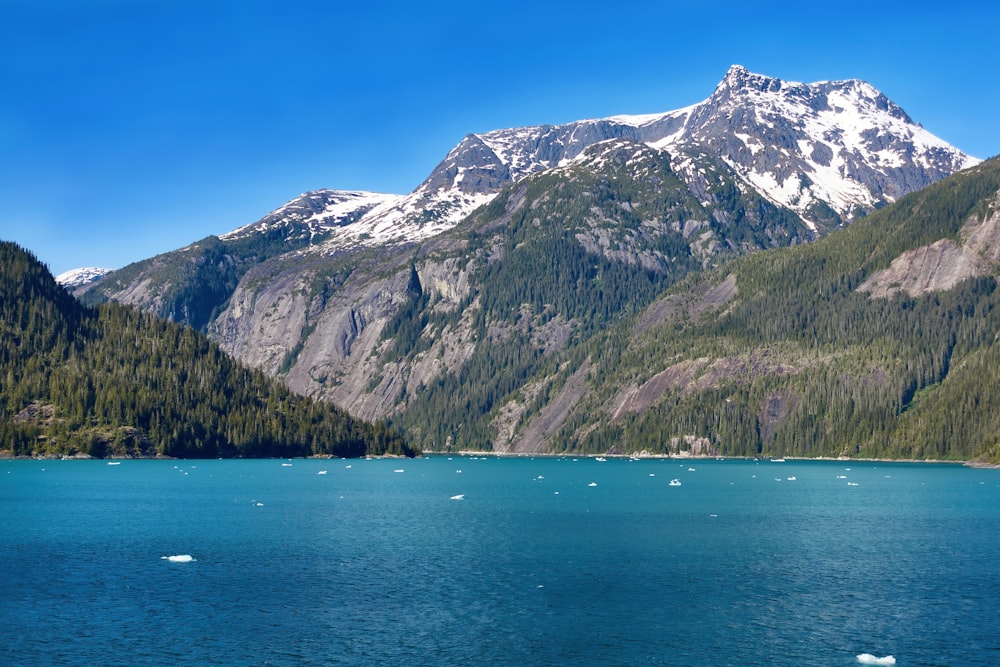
{"x": 975, "y": 463}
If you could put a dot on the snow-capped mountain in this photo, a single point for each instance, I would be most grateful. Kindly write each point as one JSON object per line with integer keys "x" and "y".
{"x": 79, "y": 277}
{"x": 315, "y": 213}
{"x": 829, "y": 151}
{"x": 840, "y": 143}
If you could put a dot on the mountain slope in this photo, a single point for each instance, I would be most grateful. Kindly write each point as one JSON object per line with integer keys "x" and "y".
{"x": 405, "y": 330}
{"x": 828, "y": 151}
{"x": 513, "y": 300}
{"x": 117, "y": 382}
{"x": 790, "y": 352}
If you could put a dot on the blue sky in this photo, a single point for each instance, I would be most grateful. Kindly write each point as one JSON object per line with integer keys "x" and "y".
{"x": 133, "y": 127}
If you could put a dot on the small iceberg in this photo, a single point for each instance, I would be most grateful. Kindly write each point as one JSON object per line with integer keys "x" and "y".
{"x": 460, "y": 496}
{"x": 675, "y": 482}
{"x": 869, "y": 659}
{"x": 179, "y": 558}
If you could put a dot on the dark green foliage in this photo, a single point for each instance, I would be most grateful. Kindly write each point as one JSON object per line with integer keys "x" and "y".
{"x": 804, "y": 365}
{"x": 117, "y": 382}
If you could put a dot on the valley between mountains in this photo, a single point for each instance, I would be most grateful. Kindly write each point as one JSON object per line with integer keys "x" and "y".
{"x": 781, "y": 269}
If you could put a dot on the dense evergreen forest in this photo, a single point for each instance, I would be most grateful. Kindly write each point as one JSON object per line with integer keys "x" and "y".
{"x": 802, "y": 363}
{"x": 112, "y": 381}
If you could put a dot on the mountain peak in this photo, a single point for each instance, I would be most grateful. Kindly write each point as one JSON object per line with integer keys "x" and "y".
{"x": 83, "y": 276}
{"x": 739, "y": 77}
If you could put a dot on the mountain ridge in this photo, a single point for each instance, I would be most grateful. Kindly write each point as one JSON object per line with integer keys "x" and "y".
{"x": 504, "y": 330}
{"x": 843, "y": 183}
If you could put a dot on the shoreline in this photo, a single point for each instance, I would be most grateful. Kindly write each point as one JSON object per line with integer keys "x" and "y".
{"x": 644, "y": 456}
{"x": 973, "y": 463}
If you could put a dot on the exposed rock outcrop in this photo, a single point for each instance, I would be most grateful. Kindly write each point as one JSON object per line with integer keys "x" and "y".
{"x": 945, "y": 263}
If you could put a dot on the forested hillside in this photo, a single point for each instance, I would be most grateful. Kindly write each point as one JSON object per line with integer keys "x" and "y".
{"x": 113, "y": 381}
{"x": 552, "y": 262}
{"x": 799, "y": 361}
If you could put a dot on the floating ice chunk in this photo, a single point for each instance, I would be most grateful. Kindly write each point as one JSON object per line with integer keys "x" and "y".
{"x": 460, "y": 496}
{"x": 869, "y": 659}
{"x": 179, "y": 558}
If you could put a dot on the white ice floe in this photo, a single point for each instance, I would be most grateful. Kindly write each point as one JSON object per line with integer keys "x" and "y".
{"x": 179, "y": 558}
{"x": 869, "y": 659}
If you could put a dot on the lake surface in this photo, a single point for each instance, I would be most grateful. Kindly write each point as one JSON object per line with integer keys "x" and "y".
{"x": 486, "y": 561}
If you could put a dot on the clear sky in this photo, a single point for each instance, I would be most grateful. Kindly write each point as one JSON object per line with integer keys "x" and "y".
{"x": 133, "y": 127}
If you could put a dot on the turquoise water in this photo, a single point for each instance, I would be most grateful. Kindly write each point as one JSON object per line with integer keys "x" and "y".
{"x": 533, "y": 565}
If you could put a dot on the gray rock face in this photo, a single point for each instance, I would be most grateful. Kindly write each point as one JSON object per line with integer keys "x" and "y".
{"x": 943, "y": 264}
{"x": 472, "y": 167}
